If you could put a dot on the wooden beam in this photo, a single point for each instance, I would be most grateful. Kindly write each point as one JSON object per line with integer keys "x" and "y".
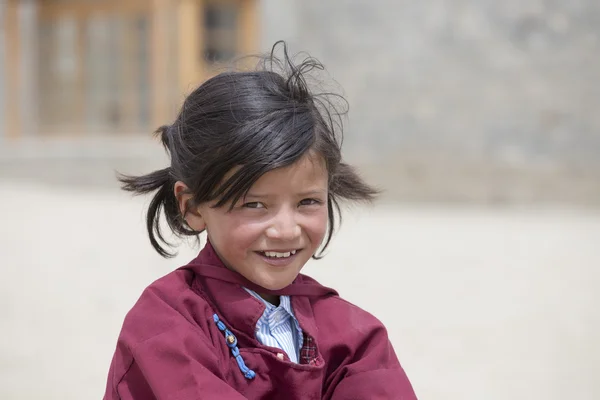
{"x": 248, "y": 29}
{"x": 190, "y": 39}
{"x": 53, "y": 10}
{"x": 160, "y": 63}
{"x": 129, "y": 103}
{"x": 79, "y": 112}
{"x": 12, "y": 71}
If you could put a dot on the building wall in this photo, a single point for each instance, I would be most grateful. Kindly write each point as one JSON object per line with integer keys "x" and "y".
{"x": 77, "y": 68}
{"x": 486, "y": 93}
{"x": 498, "y": 77}
{"x": 2, "y": 72}
{"x": 457, "y": 100}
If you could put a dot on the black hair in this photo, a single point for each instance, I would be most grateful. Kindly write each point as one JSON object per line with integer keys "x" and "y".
{"x": 257, "y": 121}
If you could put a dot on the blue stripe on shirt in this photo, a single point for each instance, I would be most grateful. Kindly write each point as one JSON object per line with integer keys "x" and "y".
{"x": 279, "y": 328}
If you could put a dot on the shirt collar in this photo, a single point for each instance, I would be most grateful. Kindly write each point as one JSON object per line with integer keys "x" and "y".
{"x": 275, "y": 316}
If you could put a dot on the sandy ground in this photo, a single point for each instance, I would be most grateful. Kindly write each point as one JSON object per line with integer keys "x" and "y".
{"x": 480, "y": 304}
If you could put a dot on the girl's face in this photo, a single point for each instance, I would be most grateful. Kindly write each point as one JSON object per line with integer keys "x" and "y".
{"x": 270, "y": 234}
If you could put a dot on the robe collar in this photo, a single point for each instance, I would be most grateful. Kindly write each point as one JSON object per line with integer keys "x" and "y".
{"x": 225, "y": 290}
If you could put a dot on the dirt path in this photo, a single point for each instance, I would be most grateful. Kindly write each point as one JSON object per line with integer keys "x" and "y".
{"x": 480, "y": 304}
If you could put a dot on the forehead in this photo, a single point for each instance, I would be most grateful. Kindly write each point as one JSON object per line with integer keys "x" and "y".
{"x": 308, "y": 171}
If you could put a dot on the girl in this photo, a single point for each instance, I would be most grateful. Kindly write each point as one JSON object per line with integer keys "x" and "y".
{"x": 256, "y": 163}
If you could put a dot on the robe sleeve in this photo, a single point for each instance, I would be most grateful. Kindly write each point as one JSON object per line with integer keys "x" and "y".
{"x": 162, "y": 355}
{"x": 163, "y": 368}
{"x": 375, "y": 385}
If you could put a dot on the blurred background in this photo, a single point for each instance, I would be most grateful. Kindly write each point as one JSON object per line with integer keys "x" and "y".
{"x": 478, "y": 118}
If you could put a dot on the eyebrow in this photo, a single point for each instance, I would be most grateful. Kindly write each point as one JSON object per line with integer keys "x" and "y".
{"x": 316, "y": 192}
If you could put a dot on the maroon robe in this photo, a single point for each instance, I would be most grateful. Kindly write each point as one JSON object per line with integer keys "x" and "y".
{"x": 170, "y": 348}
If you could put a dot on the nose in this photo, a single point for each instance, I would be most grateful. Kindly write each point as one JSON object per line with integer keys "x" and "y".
{"x": 284, "y": 226}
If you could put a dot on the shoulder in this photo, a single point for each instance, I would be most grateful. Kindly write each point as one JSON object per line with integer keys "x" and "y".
{"x": 169, "y": 318}
{"x": 167, "y": 304}
{"x": 334, "y": 312}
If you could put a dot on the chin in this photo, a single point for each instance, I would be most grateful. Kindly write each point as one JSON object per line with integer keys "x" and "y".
{"x": 275, "y": 284}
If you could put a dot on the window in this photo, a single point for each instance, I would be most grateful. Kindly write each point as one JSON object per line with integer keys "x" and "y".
{"x": 221, "y": 22}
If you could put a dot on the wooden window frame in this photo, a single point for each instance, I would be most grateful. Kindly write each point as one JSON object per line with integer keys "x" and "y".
{"x": 192, "y": 69}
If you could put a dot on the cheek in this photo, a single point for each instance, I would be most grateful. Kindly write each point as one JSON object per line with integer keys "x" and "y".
{"x": 316, "y": 226}
{"x": 242, "y": 233}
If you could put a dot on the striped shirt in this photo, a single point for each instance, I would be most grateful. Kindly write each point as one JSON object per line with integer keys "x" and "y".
{"x": 279, "y": 328}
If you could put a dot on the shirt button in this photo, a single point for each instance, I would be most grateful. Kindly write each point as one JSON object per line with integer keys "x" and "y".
{"x": 280, "y": 356}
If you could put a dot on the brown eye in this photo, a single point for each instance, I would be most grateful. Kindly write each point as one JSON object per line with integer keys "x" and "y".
{"x": 309, "y": 202}
{"x": 254, "y": 204}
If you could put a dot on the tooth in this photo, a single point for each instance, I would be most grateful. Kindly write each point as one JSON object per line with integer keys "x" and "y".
{"x": 279, "y": 255}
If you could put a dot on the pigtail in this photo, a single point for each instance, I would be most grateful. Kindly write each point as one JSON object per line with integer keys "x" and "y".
{"x": 347, "y": 184}
{"x": 163, "y": 182}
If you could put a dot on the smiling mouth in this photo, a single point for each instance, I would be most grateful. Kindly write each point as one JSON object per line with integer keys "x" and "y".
{"x": 278, "y": 254}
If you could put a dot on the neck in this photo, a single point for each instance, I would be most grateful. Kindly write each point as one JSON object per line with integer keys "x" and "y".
{"x": 271, "y": 298}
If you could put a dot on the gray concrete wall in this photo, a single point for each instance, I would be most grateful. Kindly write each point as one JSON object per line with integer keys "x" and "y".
{"x": 462, "y": 91}
{"x": 504, "y": 78}
{"x": 2, "y": 71}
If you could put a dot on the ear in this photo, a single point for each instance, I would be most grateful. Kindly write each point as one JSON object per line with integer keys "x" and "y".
{"x": 191, "y": 215}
